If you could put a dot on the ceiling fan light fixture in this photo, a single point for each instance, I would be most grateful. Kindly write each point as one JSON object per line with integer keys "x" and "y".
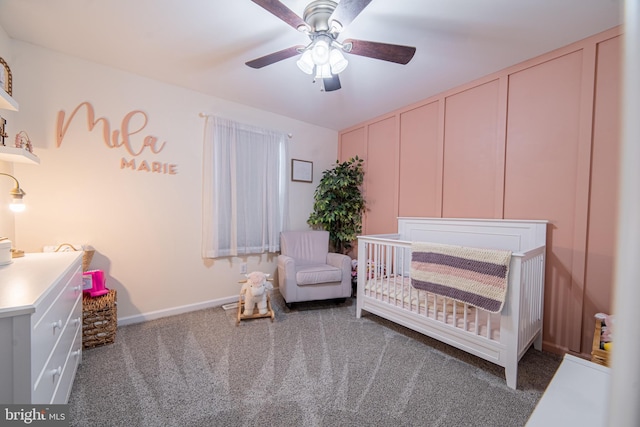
{"x": 337, "y": 61}
{"x": 305, "y": 63}
{"x": 336, "y": 27}
{"x": 323, "y": 71}
{"x": 320, "y": 51}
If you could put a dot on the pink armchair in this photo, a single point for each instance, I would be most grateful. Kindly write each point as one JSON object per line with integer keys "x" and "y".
{"x": 307, "y": 271}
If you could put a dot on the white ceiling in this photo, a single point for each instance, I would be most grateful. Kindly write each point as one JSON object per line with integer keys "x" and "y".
{"x": 203, "y": 45}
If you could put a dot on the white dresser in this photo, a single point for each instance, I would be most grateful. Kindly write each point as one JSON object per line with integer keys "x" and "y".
{"x": 40, "y": 327}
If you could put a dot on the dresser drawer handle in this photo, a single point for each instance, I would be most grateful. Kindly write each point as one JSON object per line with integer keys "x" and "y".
{"x": 56, "y": 372}
{"x": 57, "y": 324}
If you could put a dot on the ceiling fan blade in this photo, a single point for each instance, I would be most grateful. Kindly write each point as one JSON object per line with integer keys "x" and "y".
{"x": 275, "y": 57}
{"x": 347, "y": 10}
{"x": 384, "y": 51}
{"x": 331, "y": 83}
{"x": 281, "y": 11}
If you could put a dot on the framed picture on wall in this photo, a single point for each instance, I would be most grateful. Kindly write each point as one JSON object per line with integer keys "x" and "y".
{"x": 5, "y": 76}
{"x": 301, "y": 170}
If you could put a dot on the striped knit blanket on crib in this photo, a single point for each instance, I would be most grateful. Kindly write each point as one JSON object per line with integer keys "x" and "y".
{"x": 469, "y": 275}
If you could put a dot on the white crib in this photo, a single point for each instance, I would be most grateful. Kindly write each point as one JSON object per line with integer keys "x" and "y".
{"x": 384, "y": 287}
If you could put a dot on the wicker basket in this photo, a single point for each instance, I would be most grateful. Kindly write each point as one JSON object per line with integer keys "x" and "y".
{"x": 599, "y": 355}
{"x": 99, "y": 319}
{"x": 87, "y": 254}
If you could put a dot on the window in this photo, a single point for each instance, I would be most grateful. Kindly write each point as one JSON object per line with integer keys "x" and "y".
{"x": 245, "y": 189}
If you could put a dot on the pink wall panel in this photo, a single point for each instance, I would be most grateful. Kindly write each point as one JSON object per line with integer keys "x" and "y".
{"x": 604, "y": 182}
{"x": 420, "y": 160}
{"x": 352, "y": 144}
{"x": 472, "y": 152}
{"x": 380, "y": 177}
{"x": 541, "y": 173}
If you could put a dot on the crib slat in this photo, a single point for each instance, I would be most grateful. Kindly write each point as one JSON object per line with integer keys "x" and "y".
{"x": 465, "y": 320}
{"x": 435, "y": 307}
{"x": 455, "y": 313}
{"x": 477, "y": 323}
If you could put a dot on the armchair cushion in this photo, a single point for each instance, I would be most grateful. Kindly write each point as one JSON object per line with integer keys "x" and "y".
{"x": 317, "y": 273}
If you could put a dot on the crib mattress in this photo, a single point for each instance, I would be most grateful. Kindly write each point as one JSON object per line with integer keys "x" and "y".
{"x": 397, "y": 290}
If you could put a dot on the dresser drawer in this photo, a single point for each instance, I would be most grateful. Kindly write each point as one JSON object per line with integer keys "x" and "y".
{"x": 61, "y": 394}
{"x": 72, "y": 273}
{"x": 56, "y": 313}
{"x": 48, "y": 379}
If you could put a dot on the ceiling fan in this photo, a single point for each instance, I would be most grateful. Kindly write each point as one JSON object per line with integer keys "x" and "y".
{"x": 322, "y": 21}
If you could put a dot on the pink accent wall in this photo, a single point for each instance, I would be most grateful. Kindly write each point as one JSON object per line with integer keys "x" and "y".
{"x": 541, "y": 172}
{"x": 471, "y": 153}
{"x": 381, "y": 171}
{"x": 538, "y": 140}
{"x": 353, "y": 144}
{"x": 420, "y": 150}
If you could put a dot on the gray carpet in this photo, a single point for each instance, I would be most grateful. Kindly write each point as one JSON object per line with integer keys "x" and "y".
{"x": 315, "y": 365}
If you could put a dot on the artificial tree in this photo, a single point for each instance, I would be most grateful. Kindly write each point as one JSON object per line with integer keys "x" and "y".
{"x": 339, "y": 204}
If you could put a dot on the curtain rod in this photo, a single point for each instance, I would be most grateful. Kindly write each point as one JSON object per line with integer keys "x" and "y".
{"x": 205, "y": 115}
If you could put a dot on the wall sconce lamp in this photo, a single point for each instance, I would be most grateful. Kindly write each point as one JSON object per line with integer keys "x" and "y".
{"x": 17, "y": 204}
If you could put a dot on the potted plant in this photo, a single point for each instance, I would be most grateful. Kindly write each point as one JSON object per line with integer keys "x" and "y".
{"x": 339, "y": 204}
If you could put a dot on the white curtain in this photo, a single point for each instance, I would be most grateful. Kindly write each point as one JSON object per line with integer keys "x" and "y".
{"x": 245, "y": 188}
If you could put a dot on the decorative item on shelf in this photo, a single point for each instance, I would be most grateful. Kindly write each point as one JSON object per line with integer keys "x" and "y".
{"x": 3, "y": 133}
{"x": 23, "y": 141}
{"x": 5, "y": 77}
{"x": 17, "y": 205}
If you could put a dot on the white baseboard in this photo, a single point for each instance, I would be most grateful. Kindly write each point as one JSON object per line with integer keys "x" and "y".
{"x": 145, "y": 317}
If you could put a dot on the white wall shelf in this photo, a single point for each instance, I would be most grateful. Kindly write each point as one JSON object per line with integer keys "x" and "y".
{"x": 18, "y": 155}
{"x": 7, "y": 102}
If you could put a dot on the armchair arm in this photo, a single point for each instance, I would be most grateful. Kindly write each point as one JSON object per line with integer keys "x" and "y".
{"x": 339, "y": 261}
{"x": 287, "y": 277}
{"x": 343, "y": 262}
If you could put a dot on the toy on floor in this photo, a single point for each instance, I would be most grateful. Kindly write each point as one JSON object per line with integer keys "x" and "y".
{"x": 255, "y": 291}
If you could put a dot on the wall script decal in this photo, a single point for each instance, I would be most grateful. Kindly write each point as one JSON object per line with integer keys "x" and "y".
{"x": 121, "y": 138}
